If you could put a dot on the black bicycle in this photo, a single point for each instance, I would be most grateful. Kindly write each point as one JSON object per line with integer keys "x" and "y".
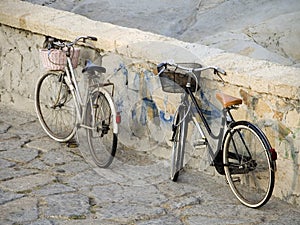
{"x": 243, "y": 153}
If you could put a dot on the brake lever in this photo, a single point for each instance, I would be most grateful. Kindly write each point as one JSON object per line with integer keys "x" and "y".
{"x": 92, "y": 38}
{"x": 217, "y": 71}
{"x": 163, "y": 64}
{"x": 162, "y": 67}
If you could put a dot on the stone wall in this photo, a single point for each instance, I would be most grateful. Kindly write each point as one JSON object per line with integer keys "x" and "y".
{"x": 270, "y": 91}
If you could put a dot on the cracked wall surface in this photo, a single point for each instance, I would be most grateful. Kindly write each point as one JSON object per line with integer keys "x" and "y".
{"x": 19, "y": 68}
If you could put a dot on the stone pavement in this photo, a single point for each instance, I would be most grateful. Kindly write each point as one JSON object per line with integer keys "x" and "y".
{"x": 44, "y": 182}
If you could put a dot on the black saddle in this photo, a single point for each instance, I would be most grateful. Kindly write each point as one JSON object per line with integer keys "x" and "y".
{"x": 91, "y": 68}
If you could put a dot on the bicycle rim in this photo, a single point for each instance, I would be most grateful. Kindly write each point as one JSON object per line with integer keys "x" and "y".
{"x": 101, "y": 139}
{"x": 178, "y": 146}
{"x": 55, "y": 107}
{"x": 248, "y": 167}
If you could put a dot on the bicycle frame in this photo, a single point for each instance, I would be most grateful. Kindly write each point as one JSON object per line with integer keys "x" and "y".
{"x": 80, "y": 103}
{"x": 58, "y": 97}
{"x": 226, "y": 119}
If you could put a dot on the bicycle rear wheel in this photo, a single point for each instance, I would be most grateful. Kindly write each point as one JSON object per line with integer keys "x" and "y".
{"x": 179, "y": 137}
{"x": 102, "y": 138}
{"x": 248, "y": 165}
{"x": 55, "y": 107}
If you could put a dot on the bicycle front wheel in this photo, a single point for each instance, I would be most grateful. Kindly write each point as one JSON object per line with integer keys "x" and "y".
{"x": 102, "y": 136}
{"x": 248, "y": 165}
{"x": 179, "y": 137}
{"x": 55, "y": 107}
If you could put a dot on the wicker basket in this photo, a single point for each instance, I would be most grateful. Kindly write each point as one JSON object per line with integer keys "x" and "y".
{"x": 55, "y": 59}
{"x": 173, "y": 79}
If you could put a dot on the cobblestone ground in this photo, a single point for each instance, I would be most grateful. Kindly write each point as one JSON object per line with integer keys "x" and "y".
{"x": 44, "y": 182}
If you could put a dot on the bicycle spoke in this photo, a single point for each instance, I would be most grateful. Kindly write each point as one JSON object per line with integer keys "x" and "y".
{"x": 55, "y": 107}
{"x": 101, "y": 139}
{"x": 248, "y": 166}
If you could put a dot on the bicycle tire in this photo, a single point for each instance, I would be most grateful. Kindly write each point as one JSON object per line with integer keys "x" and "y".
{"x": 178, "y": 144}
{"x": 103, "y": 138}
{"x": 55, "y": 107}
{"x": 249, "y": 168}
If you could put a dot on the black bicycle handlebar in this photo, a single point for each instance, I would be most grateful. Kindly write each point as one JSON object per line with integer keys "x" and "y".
{"x": 92, "y": 38}
{"x": 162, "y": 66}
{"x": 62, "y": 44}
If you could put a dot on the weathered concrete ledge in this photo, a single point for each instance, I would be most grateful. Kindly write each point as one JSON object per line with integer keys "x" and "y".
{"x": 271, "y": 92}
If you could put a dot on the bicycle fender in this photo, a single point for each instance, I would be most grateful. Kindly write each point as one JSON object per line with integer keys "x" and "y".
{"x": 266, "y": 143}
{"x": 113, "y": 108}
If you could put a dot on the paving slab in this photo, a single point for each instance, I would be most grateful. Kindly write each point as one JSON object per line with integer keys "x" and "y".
{"x": 45, "y": 182}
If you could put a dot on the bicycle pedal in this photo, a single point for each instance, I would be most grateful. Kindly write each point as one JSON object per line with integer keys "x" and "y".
{"x": 235, "y": 179}
{"x": 103, "y": 130}
{"x": 238, "y": 179}
{"x": 200, "y": 142}
{"x": 72, "y": 144}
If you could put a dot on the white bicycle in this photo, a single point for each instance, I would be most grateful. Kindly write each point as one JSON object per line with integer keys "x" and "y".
{"x": 62, "y": 110}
